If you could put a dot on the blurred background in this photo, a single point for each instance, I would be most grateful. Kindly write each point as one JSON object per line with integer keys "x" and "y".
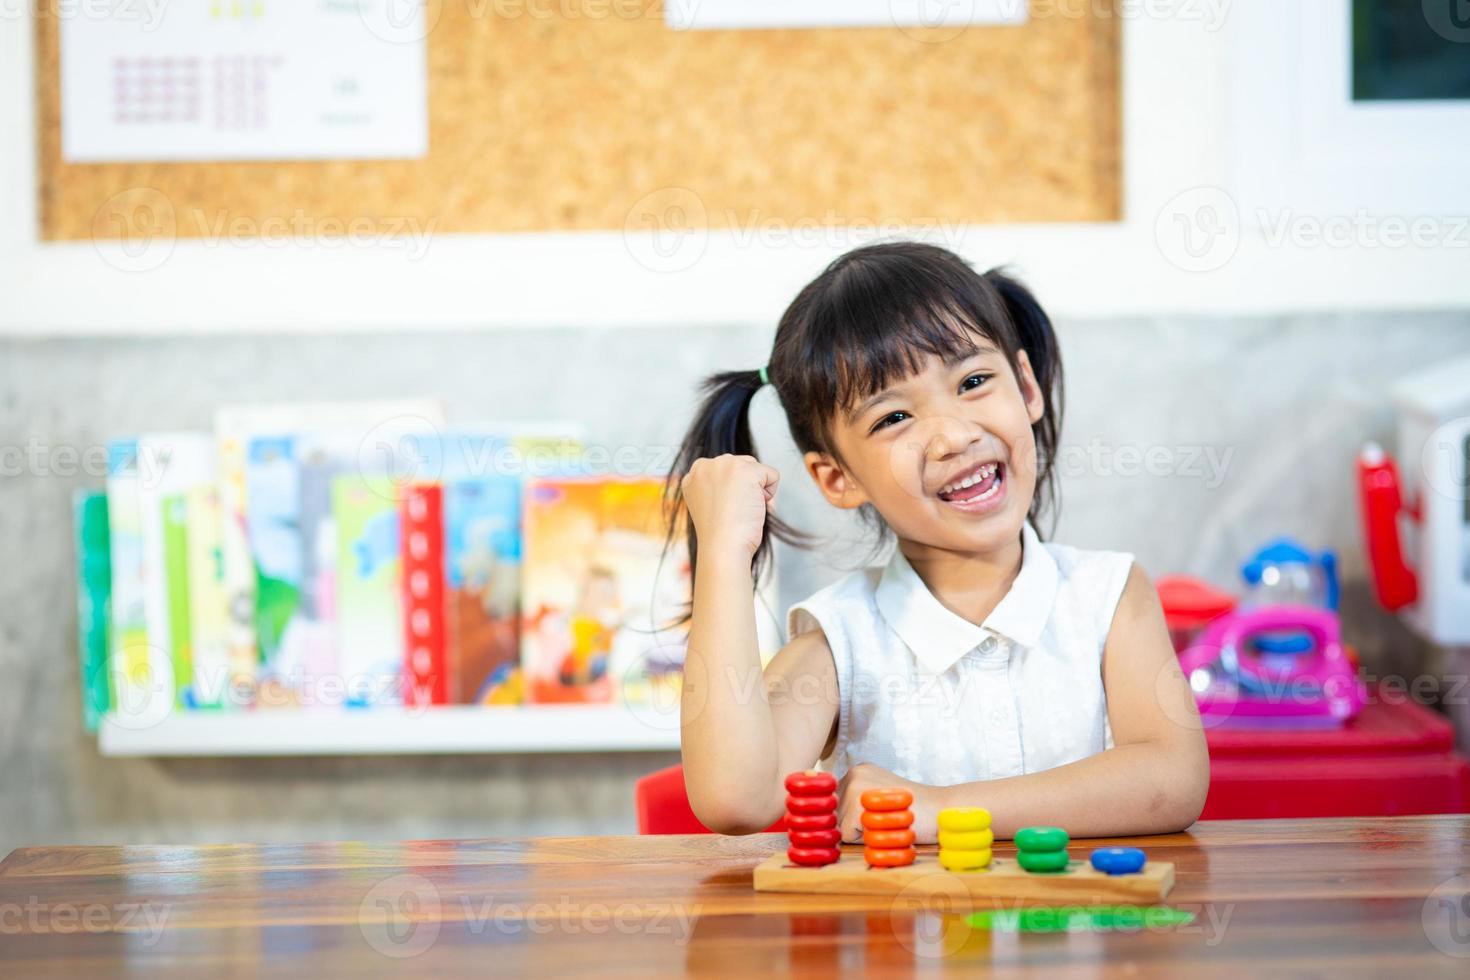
{"x": 543, "y": 225}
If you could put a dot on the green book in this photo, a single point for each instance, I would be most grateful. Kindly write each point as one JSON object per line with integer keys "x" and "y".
{"x": 176, "y": 579}
{"x": 94, "y": 595}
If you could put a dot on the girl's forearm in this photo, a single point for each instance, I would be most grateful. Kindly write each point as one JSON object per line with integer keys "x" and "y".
{"x": 1143, "y": 788}
{"x": 728, "y": 735}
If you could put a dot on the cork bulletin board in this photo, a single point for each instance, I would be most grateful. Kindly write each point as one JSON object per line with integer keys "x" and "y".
{"x": 546, "y": 117}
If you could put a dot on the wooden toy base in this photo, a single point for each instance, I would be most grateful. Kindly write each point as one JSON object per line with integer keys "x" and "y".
{"x": 1003, "y": 879}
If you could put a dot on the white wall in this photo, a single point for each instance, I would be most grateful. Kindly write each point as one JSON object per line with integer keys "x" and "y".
{"x": 1179, "y": 131}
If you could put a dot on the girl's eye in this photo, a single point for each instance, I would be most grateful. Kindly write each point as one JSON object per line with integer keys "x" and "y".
{"x": 892, "y": 418}
{"x": 974, "y": 381}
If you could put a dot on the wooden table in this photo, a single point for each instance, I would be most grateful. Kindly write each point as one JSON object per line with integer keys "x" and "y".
{"x": 1326, "y": 897}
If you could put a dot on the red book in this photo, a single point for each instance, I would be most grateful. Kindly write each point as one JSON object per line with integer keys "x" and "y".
{"x": 421, "y": 515}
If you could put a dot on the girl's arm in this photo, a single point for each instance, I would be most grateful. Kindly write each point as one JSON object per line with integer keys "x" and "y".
{"x": 743, "y": 731}
{"x": 1152, "y": 781}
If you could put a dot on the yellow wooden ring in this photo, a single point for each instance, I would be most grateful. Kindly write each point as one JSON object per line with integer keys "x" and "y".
{"x": 964, "y": 860}
{"x": 964, "y": 818}
{"x": 966, "y": 840}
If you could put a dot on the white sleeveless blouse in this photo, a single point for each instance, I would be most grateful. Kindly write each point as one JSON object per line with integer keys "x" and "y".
{"x": 938, "y": 700}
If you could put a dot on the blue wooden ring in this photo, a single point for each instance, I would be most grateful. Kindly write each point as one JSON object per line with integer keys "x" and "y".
{"x": 1118, "y": 860}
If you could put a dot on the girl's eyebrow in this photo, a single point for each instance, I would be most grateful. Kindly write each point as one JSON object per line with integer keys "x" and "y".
{"x": 954, "y": 359}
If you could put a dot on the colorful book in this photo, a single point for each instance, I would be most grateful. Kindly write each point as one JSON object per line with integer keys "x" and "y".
{"x": 94, "y": 592}
{"x": 170, "y": 465}
{"x": 357, "y": 424}
{"x": 482, "y": 565}
{"x": 600, "y": 598}
{"x": 483, "y": 473}
{"x": 421, "y": 520}
{"x": 208, "y": 607}
{"x": 369, "y": 613}
{"x": 131, "y": 667}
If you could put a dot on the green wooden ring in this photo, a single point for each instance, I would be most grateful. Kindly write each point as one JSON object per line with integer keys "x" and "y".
{"x": 1042, "y": 861}
{"x": 1042, "y": 839}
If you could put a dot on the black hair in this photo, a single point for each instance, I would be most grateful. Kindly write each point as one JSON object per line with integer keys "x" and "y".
{"x": 861, "y": 325}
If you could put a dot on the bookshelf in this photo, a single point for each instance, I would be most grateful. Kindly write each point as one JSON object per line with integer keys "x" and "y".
{"x": 452, "y": 729}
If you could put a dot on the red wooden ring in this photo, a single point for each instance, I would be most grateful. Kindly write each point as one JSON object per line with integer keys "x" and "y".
{"x": 812, "y": 782}
{"x": 811, "y": 821}
{"x": 813, "y": 857}
{"x": 811, "y": 804}
{"x": 815, "y": 838}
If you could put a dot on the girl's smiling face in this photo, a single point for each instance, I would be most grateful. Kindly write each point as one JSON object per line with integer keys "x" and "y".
{"x": 947, "y": 455}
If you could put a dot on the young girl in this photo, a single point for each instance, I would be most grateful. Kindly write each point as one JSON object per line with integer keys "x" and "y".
{"x": 981, "y": 666}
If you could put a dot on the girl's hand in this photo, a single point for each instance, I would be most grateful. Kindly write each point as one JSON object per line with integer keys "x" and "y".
{"x": 728, "y": 497}
{"x": 928, "y": 801}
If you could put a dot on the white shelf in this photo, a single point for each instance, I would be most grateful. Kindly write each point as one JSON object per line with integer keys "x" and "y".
{"x": 453, "y": 729}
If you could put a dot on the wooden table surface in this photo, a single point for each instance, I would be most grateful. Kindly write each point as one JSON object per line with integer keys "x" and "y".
{"x": 1316, "y": 897}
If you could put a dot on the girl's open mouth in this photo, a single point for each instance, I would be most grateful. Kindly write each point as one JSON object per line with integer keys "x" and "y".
{"x": 976, "y": 488}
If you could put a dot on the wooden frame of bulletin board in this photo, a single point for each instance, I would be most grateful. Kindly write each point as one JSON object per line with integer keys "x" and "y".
{"x": 545, "y": 117}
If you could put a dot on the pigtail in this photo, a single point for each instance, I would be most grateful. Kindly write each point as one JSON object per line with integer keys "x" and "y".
{"x": 1039, "y": 340}
{"x": 721, "y": 426}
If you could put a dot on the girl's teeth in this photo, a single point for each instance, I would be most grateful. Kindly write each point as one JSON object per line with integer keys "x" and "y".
{"x": 983, "y": 473}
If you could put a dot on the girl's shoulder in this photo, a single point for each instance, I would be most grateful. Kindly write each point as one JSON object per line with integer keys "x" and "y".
{"x": 1090, "y": 582}
{"x": 848, "y": 598}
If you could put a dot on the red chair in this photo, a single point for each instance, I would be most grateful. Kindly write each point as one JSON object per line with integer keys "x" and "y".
{"x": 663, "y": 805}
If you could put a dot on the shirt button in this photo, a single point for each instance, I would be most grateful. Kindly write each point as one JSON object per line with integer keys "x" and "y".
{"x": 987, "y": 644}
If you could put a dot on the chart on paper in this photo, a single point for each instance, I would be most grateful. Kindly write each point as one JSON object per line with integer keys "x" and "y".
{"x": 244, "y": 80}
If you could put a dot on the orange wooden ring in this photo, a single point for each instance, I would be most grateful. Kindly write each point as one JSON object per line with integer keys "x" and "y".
{"x": 887, "y": 799}
{"x": 889, "y": 838}
{"x": 888, "y": 857}
{"x": 811, "y": 804}
{"x": 815, "y": 838}
{"x": 811, "y": 821}
{"x": 887, "y": 819}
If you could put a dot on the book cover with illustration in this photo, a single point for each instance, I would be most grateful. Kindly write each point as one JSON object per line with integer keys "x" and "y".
{"x": 94, "y": 595}
{"x": 370, "y": 649}
{"x": 482, "y": 472}
{"x": 599, "y": 595}
{"x": 358, "y": 424}
{"x": 129, "y": 668}
{"x": 170, "y": 466}
{"x": 208, "y": 610}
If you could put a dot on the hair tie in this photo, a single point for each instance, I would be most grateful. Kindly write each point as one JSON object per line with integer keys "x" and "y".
{"x": 765, "y": 380}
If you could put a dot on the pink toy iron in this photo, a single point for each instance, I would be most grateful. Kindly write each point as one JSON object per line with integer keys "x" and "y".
{"x": 1236, "y": 687}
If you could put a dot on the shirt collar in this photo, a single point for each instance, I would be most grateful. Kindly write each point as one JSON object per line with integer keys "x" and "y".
{"x": 938, "y": 636}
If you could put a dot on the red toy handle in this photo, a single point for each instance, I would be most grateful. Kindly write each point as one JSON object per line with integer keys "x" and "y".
{"x": 1394, "y": 581}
